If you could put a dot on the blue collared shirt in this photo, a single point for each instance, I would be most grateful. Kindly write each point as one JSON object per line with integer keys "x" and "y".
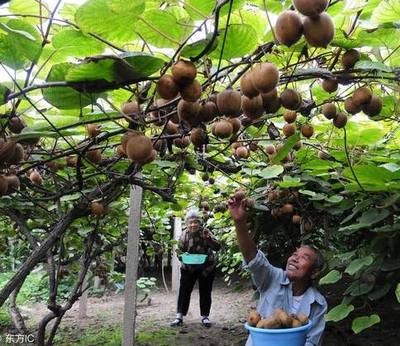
{"x": 276, "y": 292}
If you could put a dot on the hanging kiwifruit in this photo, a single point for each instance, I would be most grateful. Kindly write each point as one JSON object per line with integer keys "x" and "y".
{"x": 182, "y": 143}
{"x": 229, "y": 103}
{"x": 139, "y": 148}
{"x": 191, "y": 92}
{"x": 223, "y": 129}
{"x": 3, "y": 185}
{"x": 252, "y": 107}
{"x": 130, "y": 109}
{"x": 7, "y": 150}
{"x": 236, "y": 124}
{"x": 198, "y": 137}
{"x": 246, "y": 85}
{"x": 94, "y": 155}
{"x": 349, "y": 58}
{"x": 323, "y": 155}
{"x": 16, "y": 124}
{"x": 188, "y": 111}
{"x": 242, "y": 152}
{"x": 208, "y": 112}
{"x": 307, "y": 130}
{"x": 18, "y": 156}
{"x": 350, "y": 107}
{"x": 289, "y": 116}
{"x": 319, "y": 31}
{"x": 330, "y": 85}
{"x": 184, "y": 72}
{"x": 265, "y": 77}
{"x": 310, "y": 8}
{"x": 289, "y": 130}
{"x": 329, "y": 110}
{"x": 340, "y": 120}
{"x": 374, "y": 106}
{"x": 245, "y": 121}
{"x": 272, "y": 106}
{"x": 362, "y": 96}
{"x": 120, "y": 151}
{"x": 296, "y": 219}
{"x": 287, "y": 208}
{"x": 71, "y": 161}
{"x": 269, "y": 97}
{"x": 298, "y": 145}
{"x": 160, "y": 144}
{"x": 127, "y": 135}
{"x": 290, "y": 99}
{"x": 35, "y": 177}
{"x": 13, "y": 184}
{"x": 171, "y": 128}
{"x": 151, "y": 157}
{"x": 167, "y": 88}
{"x": 288, "y": 28}
{"x": 93, "y": 130}
{"x": 97, "y": 208}
{"x": 270, "y": 149}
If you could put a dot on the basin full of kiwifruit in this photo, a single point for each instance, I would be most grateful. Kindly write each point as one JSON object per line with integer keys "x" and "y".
{"x": 280, "y": 319}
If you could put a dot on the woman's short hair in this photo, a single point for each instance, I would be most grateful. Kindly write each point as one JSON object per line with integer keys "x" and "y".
{"x": 319, "y": 262}
{"x": 192, "y": 214}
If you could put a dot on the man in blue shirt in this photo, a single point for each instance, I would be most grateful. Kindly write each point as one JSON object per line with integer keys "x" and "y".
{"x": 289, "y": 289}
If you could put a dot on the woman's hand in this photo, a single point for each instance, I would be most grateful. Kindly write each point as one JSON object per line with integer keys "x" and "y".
{"x": 237, "y": 208}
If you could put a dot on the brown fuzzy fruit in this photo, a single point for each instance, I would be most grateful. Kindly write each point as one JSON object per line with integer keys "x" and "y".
{"x": 303, "y": 318}
{"x": 265, "y": 77}
{"x": 284, "y": 319}
{"x": 93, "y": 130}
{"x": 297, "y": 146}
{"x": 236, "y": 124}
{"x": 290, "y": 116}
{"x": 330, "y": 85}
{"x": 296, "y": 219}
{"x": 184, "y": 72}
{"x": 167, "y": 88}
{"x": 188, "y": 111}
{"x": 139, "y": 148}
{"x": 242, "y": 152}
{"x": 252, "y": 107}
{"x": 7, "y": 150}
{"x": 351, "y": 107}
{"x": 97, "y": 208}
{"x": 130, "y": 109}
{"x": 269, "y": 97}
{"x": 151, "y": 157}
{"x": 289, "y": 130}
{"x": 340, "y": 120}
{"x": 374, "y": 106}
{"x": 160, "y": 113}
{"x": 35, "y": 177}
{"x": 171, "y": 128}
{"x": 198, "y": 137}
{"x": 253, "y": 318}
{"x": 329, "y": 110}
{"x": 18, "y": 156}
{"x": 192, "y": 91}
{"x": 223, "y": 129}
{"x": 71, "y": 161}
{"x": 120, "y": 151}
{"x": 291, "y": 99}
{"x": 182, "y": 142}
{"x": 310, "y": 8}
{"x": 13, "y": 183}
{"x": 362, "y": 96}
{"x": 296, "y": 323}
{"x": 273, "y": 106}
{"x": 207, "y": 112}
{"x": 287, "y": 209}
{"x": 16, "y": 124}
{"x": 270, "y": 149}
{"x": 94, "y": 156}
{"x": 307, "y": 130}
{"x": 229, "y": 103}
{"x": 3, "y": 185}
{"x": 246, "y": 85}
{"x": 349, "y": 58}
{"x": 268, "y": 323}
{"x": 319, "y": 31}
{"x": 288, "y": 28}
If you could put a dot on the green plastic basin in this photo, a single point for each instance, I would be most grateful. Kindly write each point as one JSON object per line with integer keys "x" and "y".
{"x": 192, "y": 258}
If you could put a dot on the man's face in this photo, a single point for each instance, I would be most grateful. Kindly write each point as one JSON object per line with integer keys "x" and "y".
{"x": 300, "y": 266}
{"x": 193, "y": 225}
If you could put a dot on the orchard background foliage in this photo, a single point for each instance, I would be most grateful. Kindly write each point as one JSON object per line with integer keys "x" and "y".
{"x": 77, "y": 77}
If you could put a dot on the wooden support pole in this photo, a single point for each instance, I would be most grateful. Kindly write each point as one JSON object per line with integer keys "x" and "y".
{"x": 83, "y": 299}
{"x": 132, "y": 258}
{"x": 176, "y": 265}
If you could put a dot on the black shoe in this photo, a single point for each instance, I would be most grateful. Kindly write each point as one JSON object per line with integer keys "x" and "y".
{"x": 177, "y": 322}
{"x": 206, "y": 322}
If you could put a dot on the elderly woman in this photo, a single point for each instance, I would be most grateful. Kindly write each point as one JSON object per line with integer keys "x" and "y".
{"x": 196, "y": 240}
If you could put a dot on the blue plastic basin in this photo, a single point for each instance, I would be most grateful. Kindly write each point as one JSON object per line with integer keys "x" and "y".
{"x": 192, "y": 258}
{"x": 279, "y": 337}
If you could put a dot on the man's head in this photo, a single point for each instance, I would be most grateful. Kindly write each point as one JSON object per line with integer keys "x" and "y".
{"x": 304, "y": 264}
{"x": 193, "y": 220}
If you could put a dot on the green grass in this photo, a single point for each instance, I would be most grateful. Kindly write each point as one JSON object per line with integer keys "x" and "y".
{"x": 5, "y": 321}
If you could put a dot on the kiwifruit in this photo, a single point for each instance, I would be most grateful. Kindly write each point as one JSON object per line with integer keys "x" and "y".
{"x": 71, "y": 161}
{"x": 139, "y": 148}
{"x": 351, "y": 107}
{"x": 245, "y": 121}
{"x": 7, "y": 150}
{"x": 18, "y": 156}
{"x": 151, "y": 157}
{"x": 296, "y": 323}
{"x": 16, "y": 124}
{"x": 246, "y": 85}
{"x": 282, "y": 316}
{"x": 35, "y": 177}
{"x": 205, "y": 177}
{"x": 252, "y": 107}
{"x": 288, "y": 28}
{"x": 205, "y": 205}
{"x": 223, "y": 129}
{"x": 130, "y": 109}
{"x": 374, "y": 106}
{"x": 307, "y": 130}
{"x": 362, "y": 96}
{"x": 303, "y": 318}
{"x": 13, "y": 183}
{"x": 319, "y": 31}
{"x": 160, "y": 144}
{"x": 198, "y": 137}
{"x": 94, "y": 155}
{"x": 323, "y": 155}
{"x": 191, "y": 92}
{"x": 236, "y": 124}
{"x": 120, "y": 151}
{"x": 310, "y": 8}
{"x": 296, "y": 219}
{"x": 211, "y": 180}
{"x": 265, "y": 77}
{"x": 330, "y": 85}
{"x": 97, "y": 208}
{"x": 242, "y": 152}
{"x": 268, "y": 323}
{"x": 289, "y": 116}
{"x": 272, "y": 106}
{"x": 52, "y": 166}
{"x": 297, "y": 146}
{"x": 236, "y": 145}
{"x": 159, "y": 114}
{"x": 188, "y": 111}
{"x": 182, "y": 142}
{"x": 289, "y": 130}
{"x": 240, "y": 194}
{"x": 171, "y": 128}
{"x": 329, "y": 110}
{"x": 270, "y": 149}
{"x": 290, "y": 99}
{"x": 207, "y": 112}
{"x": 287, "y": 208}
{"x": 269, "y": 97}
{"x": 3, "y": 185}
{"x": 184, "y": 72}
{"x": 253, "y": 146}
{"x": 349, "y": 58}
{"x": 167, "y": 88}
{"x": 340, "y": 120}
{"x": 93, "y": 130}
{"x": 229, "y": 103}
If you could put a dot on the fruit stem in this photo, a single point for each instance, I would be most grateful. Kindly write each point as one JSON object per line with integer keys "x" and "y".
{"x": 269, "y": 22}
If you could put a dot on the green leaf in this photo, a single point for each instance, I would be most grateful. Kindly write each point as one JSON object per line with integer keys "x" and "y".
{"x": 4, "y": 92}
{"x": 372, "y": 65}
{"x": 334, "y": 199}
{"x": 200, "y": 9}
{"x": 27, "y": 35}
{"x": 339, "y": 312}
{"x": 330, "y": 278}
{"x": 284, "y": 151}
{"x": 388, "y": 11}
{"x": 289, "y": 181}
{"x": 397, "y": 292}
{"x": 364, "y": 322}
{"x": 271, "y": 172}
{"x": 373, "y": 216}
{"x": 195, "y": 48}
{"x": 358, "y": 264}
{"x": 30, "y": 7}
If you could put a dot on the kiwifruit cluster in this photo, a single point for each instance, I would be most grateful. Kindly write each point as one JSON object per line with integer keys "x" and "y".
{"x": 240, "y": 151}
{"x": 261, "y": 79}
{"x": 93, "y": 130}
{"x": 181, "y": 81}
{"x": 11, "y": 153}
{"x": 349, "y": 58}
{"x": 363, "y": 100}
{"x": 279, "y": 319}
{"x": 130, "y": 109}
{"x": 317, "y": 26}
{"x": 330, "y": 85}
{"x": 9, "y": 184}
{"x": 198, "y": 137}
